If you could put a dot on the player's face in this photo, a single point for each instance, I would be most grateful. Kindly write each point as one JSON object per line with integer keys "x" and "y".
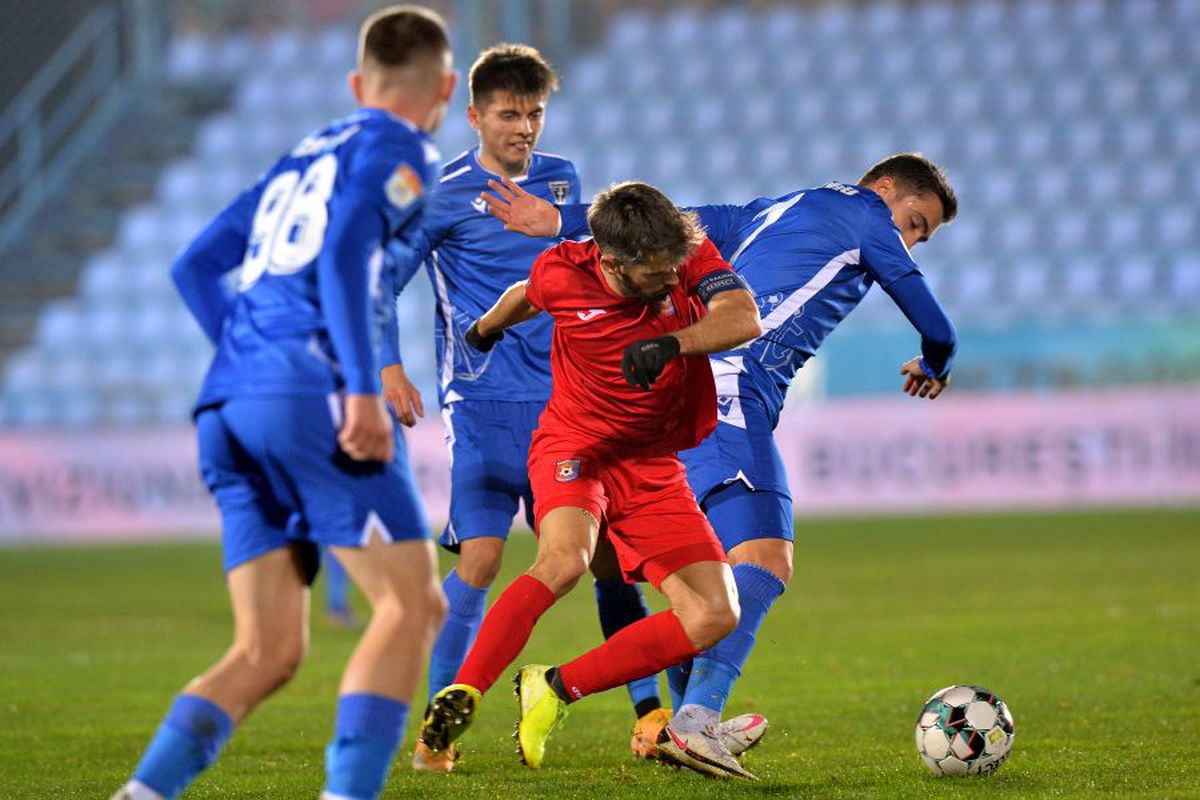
{"x": 916, "y": 215}
{"x": 509, "y": 126}
{"x": 651, "y": 281}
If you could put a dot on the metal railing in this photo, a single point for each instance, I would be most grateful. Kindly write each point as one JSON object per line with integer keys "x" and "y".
{"x": 60, "y": 116}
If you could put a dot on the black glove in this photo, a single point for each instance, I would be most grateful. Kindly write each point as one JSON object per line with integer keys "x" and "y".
{"x": 481, "y": 343}
{"x": 645, "y": 360}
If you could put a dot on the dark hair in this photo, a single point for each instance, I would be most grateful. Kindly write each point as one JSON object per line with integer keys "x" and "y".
{"x": 635, "y": 223}
{"x": 397, "y": 36}
{"x": 517, "y": 69}
{"x": 916, "y": 174}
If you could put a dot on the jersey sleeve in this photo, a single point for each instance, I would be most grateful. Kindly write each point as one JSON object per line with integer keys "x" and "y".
{"x": 720, "y": 222}
{"x": 882, "y": 251}
{"x": 383, "y": 191}
{"x": 708, "y": 274}
{"x": 534, "y": 287}
{"x": 200, "y": 269}
{"x": 574, "y": 220}
{"x": 939, "y": 340}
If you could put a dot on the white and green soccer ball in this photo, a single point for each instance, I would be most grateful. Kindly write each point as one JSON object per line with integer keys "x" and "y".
{"x": 964, "y": 730}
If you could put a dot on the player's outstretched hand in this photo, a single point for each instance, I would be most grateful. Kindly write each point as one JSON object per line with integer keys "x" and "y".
{"x": 480, "y": 342}
{"x": 519, "y": 210}
{"x": 917, "y": 383}
{"x": 367, "y": 432}
{"x": 401, "y": 395}
{"x": 645, "y": 360}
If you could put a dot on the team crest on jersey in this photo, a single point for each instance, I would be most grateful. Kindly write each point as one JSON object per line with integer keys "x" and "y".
{"x": 403, "y": 187}
{"x": 566, "y": 470}
{"x": 559, "y": 190}
{"x": 667, "y": 307}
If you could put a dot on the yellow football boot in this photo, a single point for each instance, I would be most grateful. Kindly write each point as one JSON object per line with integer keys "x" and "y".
{"x": 542, "y": 711}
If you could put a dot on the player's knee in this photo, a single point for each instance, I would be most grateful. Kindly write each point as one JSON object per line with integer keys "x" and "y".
{"x": 559, "y": 571}
{"x": 274, "y": 659}
{"x": 710, "y": 620}
{"x": 479, "y": 568}
{"x": 775, "y": 557}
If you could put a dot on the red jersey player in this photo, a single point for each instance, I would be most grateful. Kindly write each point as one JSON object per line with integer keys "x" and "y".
{"x": 636, "y": 310}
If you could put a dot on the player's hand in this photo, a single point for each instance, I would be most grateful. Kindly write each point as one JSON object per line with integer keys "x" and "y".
{"x": 480, "y": 342}
{"x": 367, "y": 432}
{"x": 401, "y": 395}
{"x": 521, "y": 211}
{"x": 645, "y": 360}
{"x": 917, "y": 383}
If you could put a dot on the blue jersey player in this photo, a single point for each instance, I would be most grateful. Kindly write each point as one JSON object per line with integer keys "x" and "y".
{"x": 295, "y": 442}
{"x": 810, "y": 257}
{"x": 491, "y": 401}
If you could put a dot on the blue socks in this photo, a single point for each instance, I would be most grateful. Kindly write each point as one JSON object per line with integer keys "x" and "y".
{"x": 187, "y": 741}
{"x": 621, "y": 604}
{"x": 367, "y": 733}
{"x": 458, "y": 632}
{"x": 677, "y": 682}
{"x": 715, "y": 671}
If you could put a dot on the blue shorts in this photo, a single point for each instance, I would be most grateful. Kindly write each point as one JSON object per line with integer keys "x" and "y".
{"x": 279, "y": 478}
{"x": 734, "y": 456}
{"x": 489, "y": 472}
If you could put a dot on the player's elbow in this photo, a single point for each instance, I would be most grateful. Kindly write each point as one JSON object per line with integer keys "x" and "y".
{"x": 746, "y": 325}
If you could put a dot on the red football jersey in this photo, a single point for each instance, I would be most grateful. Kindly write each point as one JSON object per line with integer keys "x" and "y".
{"x": 591, "y": 406}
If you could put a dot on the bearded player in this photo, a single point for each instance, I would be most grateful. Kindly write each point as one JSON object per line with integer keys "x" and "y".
{"x": 810, "y": 256}
{"x": 635, "y": 310}
{"x": 491, "y": 401}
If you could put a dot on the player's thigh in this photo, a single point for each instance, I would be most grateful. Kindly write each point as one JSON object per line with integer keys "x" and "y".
{"x": 566, "y": 540}
{"x": 489, "y": 450}
{"x": 400, "y": 575}
{"x": 255, "y": 519}
{"x": 270, "y": 599}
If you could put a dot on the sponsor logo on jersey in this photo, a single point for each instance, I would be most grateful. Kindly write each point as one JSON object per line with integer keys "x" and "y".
{"x": 480, "y": 205}
{"x": 590, "y": 314}
{"x": 560, "y": 190}
{"x": 566, "y": 470}
{"x": 403, "y": 187}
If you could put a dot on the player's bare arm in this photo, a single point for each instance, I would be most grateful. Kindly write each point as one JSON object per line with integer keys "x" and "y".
{"x": 731, "y": 322}
{"x": 511, "y": 309}
{"x": 400, "y": 393}
{"x": 521, "y": 211}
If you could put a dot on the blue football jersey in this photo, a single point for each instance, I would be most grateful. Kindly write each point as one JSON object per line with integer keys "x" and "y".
{"x": 810, "y": 257}
{"x": 306, "y": 313}
{"x": 471, "y": 260}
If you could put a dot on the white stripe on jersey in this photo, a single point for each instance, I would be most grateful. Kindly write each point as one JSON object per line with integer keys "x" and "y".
{"x": 447, "y": 312}
{"x": 772, "y": 215}
{"x": 784, "y": 311}
{"x": 726, "y": 370}
{"x": 456, "y": 173}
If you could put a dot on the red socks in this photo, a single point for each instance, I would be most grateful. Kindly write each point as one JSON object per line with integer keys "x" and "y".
{"x": 504, "y": 632}
{"x": 638, "y": 650}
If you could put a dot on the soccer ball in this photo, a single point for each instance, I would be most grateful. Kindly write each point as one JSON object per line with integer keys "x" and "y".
{"x": 964, "y": 730}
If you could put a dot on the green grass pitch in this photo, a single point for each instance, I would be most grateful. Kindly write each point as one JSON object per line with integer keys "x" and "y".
{"x": 1088, "y": 625}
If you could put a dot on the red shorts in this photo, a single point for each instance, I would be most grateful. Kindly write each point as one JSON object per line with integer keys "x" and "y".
{"x": 645, "y": 505}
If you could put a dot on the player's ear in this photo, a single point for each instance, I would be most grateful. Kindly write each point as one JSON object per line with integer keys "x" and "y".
{"x": 473, "y": 116}
{"x": 449, "y": 81}
{"x": 885, "y": 187}
{"x": 355, "y": 80}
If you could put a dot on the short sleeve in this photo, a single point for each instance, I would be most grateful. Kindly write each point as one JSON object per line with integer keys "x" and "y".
{"x": 705, "y": 261}
{"x": 537, "y": 279}
{"x": 882, "y": 251}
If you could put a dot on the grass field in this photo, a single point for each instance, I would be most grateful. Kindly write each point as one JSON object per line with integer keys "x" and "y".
{"x": 1088, "y": 625}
